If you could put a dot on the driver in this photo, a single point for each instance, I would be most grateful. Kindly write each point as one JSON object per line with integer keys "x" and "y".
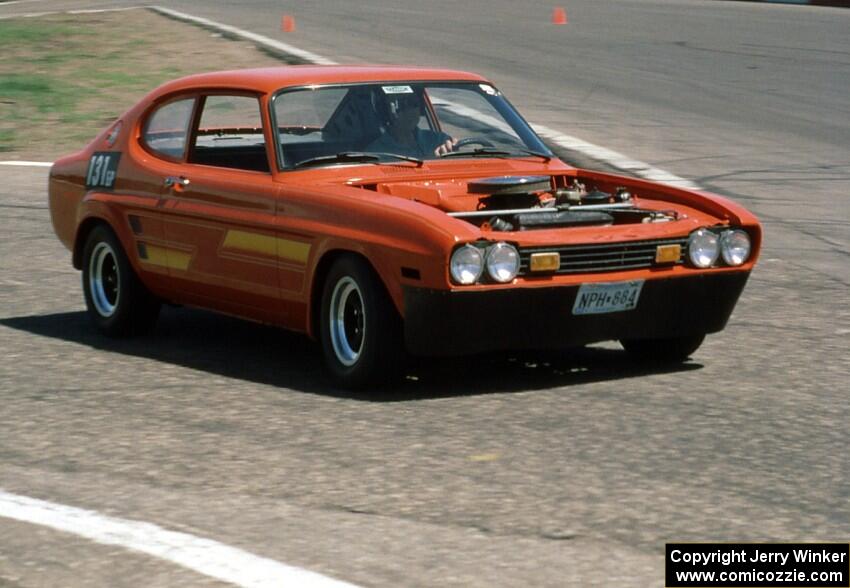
{"x": 401, "y": 133}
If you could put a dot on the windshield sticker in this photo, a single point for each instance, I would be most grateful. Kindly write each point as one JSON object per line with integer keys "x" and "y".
{"x": 103, "y": 168}
{"x": 397, "y": 89}
{"x": 488, "y": 89}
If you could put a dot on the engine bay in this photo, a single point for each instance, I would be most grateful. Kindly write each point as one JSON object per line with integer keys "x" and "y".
{"x": 524, "y": 203}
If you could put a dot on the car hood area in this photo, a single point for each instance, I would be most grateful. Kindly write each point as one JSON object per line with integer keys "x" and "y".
{"x": 544, "y": 204}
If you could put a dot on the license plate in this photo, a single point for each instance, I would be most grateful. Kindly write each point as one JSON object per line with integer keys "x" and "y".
{"x": 612, "y": 297}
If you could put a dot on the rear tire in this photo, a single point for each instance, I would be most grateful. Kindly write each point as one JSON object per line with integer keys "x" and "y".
{"x": 361, "y": 332}
{"x": 672, "y": 350}
{"x": 117, "y": 302}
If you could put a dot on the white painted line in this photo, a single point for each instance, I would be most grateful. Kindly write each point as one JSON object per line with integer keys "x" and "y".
{"x": 610, "y": 157}
{"x": 18, "y": 2}
{"x": 476, "y": 115}
{"x": 248, "y": 35}
{"x": 27, "y": 15}
{"x": 204, "y": 556}
{"x": 97, "y": 10}
{"x": 27, "y": 163}
{"x": 54, "y": 12}
{"x": 613, "y": 158}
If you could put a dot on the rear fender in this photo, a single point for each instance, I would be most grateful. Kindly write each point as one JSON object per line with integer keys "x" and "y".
{"x": 95, "y": 209}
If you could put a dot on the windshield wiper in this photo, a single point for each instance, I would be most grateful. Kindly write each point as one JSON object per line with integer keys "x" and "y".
{"x": 354, "y": 157}
{"x": 490, "y": 152}
{"x": 415, "y": 160}
{"x": 535, "y": 153}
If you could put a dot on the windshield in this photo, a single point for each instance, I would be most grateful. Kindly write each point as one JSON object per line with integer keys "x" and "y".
{"x": 390, "y": 122}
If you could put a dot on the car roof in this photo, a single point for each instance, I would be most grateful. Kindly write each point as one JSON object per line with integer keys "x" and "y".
{"x": 269, "y": 79}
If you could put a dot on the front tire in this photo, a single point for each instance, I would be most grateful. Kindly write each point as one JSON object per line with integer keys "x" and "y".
{"x": 672, "y": 350}
{"x": 117, "y": 302}
{"x": 361, "y": 330}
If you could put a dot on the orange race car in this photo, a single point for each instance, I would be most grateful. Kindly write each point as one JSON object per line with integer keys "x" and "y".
{"x": 384, "y": 209}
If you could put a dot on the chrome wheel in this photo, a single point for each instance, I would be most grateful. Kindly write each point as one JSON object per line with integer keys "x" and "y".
{"x": 104, "y": 279}
{"x": 347, "y": 321}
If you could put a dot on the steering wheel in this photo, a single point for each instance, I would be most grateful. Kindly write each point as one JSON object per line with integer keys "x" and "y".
{"x": 472, "y": 141}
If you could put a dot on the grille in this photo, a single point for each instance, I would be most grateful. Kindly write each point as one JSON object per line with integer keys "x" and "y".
{"x": 577, "y": 259}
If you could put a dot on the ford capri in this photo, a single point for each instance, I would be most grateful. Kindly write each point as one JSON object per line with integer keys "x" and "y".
{"x": 387, "y": 211}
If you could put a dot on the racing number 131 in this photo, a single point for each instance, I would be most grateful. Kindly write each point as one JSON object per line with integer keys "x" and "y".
{"x": 103, "y": 167}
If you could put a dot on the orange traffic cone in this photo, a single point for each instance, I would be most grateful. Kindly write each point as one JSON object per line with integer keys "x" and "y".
{"x": 287, "y": 24}
{"x": 559, "y": 16}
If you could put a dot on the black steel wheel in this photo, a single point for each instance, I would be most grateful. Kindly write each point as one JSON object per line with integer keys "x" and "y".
{"x": 117, "y": 302}
{"x": 672, "y": 350}
{"x": 361, "y": 331}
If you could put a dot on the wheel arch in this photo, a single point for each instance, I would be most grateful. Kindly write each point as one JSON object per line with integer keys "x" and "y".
{"x": 83, "y": 232}
{"x": 317, "y": 285}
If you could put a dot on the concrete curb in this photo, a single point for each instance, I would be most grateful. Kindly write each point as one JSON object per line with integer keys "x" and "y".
{"x": 293, "y": 55}
{"x": 572, "y": 150}
{"x": 832, "y": 3}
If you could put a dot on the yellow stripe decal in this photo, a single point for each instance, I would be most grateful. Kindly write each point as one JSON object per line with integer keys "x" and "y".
{"x": 253, "y": 242}
{"x": 293, "y": 250}
{"x": 169, "y": 258}
{"x": 266, "y": 245}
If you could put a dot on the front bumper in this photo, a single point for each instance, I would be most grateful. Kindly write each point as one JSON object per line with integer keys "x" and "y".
{"x": 441, "y": 322}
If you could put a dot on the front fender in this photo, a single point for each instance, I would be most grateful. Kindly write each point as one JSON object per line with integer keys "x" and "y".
{"x": 406, "y": 243}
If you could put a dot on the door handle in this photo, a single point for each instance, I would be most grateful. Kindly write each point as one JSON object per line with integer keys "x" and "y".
{"x": 176, "y": 182}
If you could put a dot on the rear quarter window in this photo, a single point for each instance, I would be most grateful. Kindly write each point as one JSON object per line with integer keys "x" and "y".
{"x": 167, "y": 128}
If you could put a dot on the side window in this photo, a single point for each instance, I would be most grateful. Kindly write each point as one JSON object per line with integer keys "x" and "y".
{"x": 230, "y": 134}
{"x": 167, "y": 128}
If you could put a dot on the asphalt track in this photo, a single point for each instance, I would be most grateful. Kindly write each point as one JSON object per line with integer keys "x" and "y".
{"x": 545, "y": 471}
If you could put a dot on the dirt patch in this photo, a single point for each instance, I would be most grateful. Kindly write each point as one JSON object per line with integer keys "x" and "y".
{"x": 64, "y": 77}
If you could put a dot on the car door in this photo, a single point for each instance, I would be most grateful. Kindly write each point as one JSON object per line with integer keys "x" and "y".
{"x": 219, "y": 210}
{"x": 163, "y": 138}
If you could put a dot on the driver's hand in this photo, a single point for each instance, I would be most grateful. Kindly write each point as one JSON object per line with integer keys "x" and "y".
{"x": 446, "y": 147}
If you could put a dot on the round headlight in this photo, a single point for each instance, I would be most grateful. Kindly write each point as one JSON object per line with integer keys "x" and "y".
{"x": 466, "y": 265}
{"x": 703, "y": 248}
{"x": 735, "y": 246}
{"x": 502, "y": 262}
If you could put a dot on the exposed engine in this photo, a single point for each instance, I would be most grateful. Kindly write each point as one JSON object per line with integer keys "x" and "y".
{"x": 519, "y": 203}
